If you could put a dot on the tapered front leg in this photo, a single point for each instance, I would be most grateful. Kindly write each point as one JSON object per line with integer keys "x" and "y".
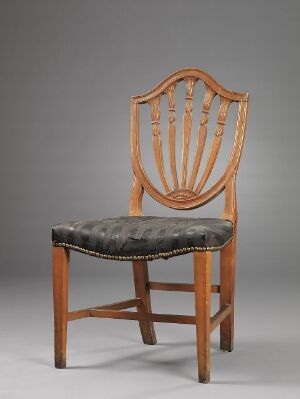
{"x": 141, "y": 280}
{"x": 202, "y": 277}
{"x": 60, "y": 302}
{"x": 227, "y": 277}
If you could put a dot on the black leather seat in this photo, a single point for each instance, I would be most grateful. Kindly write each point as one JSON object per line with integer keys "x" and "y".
{"x": 143, "y": 237}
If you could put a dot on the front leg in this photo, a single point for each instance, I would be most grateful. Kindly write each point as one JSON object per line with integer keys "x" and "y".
{"x": 202, "y": 277}
{"x": 60, "y": 259}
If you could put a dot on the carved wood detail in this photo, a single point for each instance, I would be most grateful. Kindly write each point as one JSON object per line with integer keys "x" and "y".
{"x": 187, "y": 126}
{"x": 156, "y": 141}
{"x": 183, "y": 195}
{"x": 202, "y": 132}
{"x": 215, "y": 147}
{"x": 170, "y": 91}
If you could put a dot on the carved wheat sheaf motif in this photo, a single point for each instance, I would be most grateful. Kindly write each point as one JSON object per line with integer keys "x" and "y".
{"x": 185, "y": 189}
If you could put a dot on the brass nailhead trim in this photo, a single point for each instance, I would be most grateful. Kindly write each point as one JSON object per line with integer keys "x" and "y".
{"x": 145, "y": 257}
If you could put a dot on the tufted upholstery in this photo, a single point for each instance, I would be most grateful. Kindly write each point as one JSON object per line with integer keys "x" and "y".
{"x": 142, "y": 237}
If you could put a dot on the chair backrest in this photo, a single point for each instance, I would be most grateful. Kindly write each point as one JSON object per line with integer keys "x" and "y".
{"x": 186, "y": 191}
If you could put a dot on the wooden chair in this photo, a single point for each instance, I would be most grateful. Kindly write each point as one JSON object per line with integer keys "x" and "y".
{"x": 140, "y": 239}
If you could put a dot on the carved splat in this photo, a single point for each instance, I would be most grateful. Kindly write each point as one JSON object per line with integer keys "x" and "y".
{"x": 222, "y": 114}
{"x": 202, "y": 132}
{"x": 156, "y": 141}
{"x": 215, "y": 147}
{"x": 172, "y": 133}
{"x": 187, "y": 126}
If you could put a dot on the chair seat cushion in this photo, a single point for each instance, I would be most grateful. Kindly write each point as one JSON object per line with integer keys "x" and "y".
{"x": 143, "y": 237}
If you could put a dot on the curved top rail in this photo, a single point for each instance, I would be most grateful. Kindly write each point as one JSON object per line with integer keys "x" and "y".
{"x": 189, "y": 72}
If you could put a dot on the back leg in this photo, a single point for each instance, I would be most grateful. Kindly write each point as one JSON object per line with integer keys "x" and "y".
{"x": 142, "y": 291}
{"x": 227, "y": 277}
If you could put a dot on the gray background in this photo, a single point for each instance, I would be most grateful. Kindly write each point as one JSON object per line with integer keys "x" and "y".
{"x": 67, "y": 71}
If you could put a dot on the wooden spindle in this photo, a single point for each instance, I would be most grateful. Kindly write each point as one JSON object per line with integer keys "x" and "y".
{"x": 187, "y": 126}
{"x": 239, "y": 133}
{"x": 215, "y": 147}
{"x": 156, "y": 141}
{"x": 170, "y": 91}
{"x": 202, "y": 132}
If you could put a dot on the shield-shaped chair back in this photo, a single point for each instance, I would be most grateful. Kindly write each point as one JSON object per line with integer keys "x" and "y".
{"x": 186, "y": 190}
